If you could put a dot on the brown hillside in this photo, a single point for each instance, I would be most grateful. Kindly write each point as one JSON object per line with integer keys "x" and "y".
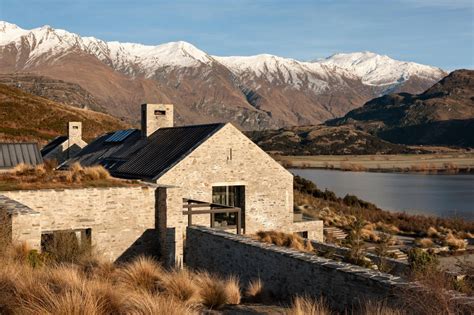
{"x": 25, "y": 117}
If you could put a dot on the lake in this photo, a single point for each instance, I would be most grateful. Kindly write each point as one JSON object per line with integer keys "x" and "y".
{"x": 440, "y": 195}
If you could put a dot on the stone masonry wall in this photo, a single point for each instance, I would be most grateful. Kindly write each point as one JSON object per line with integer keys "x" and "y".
{"x": 230, "y": 158}
{"x": 122, "y": 219}
{"x": 19, "y": 223}
{"x": 286, "y": 272}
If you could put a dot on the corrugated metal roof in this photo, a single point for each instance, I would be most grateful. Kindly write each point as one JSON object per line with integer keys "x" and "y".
{"x": 144, "y": 158}
{"x": 53, "y": 144}
{"x": 12, "y": 154}
{"x": 165, "y": 148}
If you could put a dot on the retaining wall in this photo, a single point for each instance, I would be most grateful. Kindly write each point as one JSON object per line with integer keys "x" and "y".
{"x": 286, "y": 272}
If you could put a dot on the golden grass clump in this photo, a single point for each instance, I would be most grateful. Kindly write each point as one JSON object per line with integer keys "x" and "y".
{"x": 285, "y": 239}
{"x": 181, "y": 285}
{"x": 432, "y": 232}
{"x": 369, "y": 235}
{"x": 308, "y": 306}
{"x": 217, "y": 292}
{"x": 142, "y": 273}
{"x": 255, "y": 291}
{"x": 425, "y": 242}
{"x": 454, "y": 242}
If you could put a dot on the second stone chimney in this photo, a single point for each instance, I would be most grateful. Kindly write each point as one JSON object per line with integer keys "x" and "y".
{"x": 155, "y": 116}
{"x": 75, "y": 131}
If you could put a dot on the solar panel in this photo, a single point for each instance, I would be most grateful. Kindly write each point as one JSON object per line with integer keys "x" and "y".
{"x": 120, "y": 135}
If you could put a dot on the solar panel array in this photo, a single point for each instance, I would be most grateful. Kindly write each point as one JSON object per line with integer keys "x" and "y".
{"x": 120, "y": 135}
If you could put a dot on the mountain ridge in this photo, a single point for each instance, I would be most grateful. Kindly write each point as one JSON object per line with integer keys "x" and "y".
{"x": 255, "y": 92}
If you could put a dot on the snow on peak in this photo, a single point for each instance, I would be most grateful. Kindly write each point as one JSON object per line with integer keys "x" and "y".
{"x": 137, "y": 59}
{"x": 375, "y": 69}
{"x": 121, "y": 56}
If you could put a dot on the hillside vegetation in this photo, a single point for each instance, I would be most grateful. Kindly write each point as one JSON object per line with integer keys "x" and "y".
{"x": 26, "y": 117}
{"x": 324, "y": 140}
{"x": 442, "y": 115}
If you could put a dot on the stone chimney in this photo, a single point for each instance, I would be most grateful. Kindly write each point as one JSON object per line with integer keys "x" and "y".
{"x": 155, "y": 116}
{"x": 75, "y": 132}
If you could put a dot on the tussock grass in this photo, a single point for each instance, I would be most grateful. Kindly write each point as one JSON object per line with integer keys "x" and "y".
{"x": 307, "y": 306}
{"x": 46, "y": 175}
{"x": 425, "y": 242}
{"x": 285, "y": 239}
{"x": 254, "y": 289}
{"x": 93, "y": 286}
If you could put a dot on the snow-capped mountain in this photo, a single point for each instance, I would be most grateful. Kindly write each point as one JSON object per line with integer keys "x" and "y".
{"x": 254, "y": 91}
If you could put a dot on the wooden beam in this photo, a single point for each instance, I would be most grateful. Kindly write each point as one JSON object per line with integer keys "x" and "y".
{"x": 221, "y": 210}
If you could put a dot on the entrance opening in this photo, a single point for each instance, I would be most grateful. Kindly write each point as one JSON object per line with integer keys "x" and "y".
{"x": 233, "y": 196}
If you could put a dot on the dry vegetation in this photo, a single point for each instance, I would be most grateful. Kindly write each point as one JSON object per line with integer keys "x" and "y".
{"x": 285, "y": 239}
{"x": 24, "y": 177}
{"x": 342, "y": 212}
{"x": 91, "y": 286}
{"x": 26, "y": 117}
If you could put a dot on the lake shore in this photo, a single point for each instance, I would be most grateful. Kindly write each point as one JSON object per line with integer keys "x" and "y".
{"x": 450, "y": 163}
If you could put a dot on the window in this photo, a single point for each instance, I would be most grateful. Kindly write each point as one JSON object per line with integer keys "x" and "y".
{"x": 233, "y": 196}
{"x": 67, "y": 245}
{"x": 75, "y": 127}
{"x": 160, "y": 112}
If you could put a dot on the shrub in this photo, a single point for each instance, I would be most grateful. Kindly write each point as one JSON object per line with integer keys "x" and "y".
{"x": 213, "y": 293}
{"x": 421, "y": 260}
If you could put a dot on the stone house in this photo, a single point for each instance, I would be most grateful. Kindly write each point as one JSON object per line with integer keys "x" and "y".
{"x": 212, "y": 175}
{"x": 63, "y": 148}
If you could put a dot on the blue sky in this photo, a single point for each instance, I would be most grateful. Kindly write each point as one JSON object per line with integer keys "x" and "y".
{"x": 436, "y": 32}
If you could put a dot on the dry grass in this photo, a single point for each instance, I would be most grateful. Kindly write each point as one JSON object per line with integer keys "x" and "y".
{"x": 254, "y": 290}
{"x": 432, "y": 232}
{"x": 425, "y": 242}
{"x": 453, "y": 242}
{"x": 307, "y": 306}
{"x": 379, "y": 308}
{"x": 45, "y": 175}
{"x": 285, "y": 239}
{"x": 91, "y": 286}
{"x": 143, "y": 273}
{"x": 217, "y": 292}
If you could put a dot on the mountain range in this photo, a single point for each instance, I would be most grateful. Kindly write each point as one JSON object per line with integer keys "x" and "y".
{"x": 442, "y": 115}
{"x": 254, "y": 92}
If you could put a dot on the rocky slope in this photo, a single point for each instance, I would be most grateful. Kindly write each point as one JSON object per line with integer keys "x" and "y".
{"x": 324, "y": 140}
{"x": 56, "y": 90}
{"x": 26, "y": 117}
{"x": 442, "y": 115}
{"x": 254, "y": 92}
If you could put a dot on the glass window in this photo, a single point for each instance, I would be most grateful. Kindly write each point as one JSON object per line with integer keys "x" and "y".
{"x": 233, "y": 196}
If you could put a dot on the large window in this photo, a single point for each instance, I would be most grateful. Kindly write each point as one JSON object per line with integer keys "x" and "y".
{"x": 233, "y": 196}
{"x": 66, "y": 246}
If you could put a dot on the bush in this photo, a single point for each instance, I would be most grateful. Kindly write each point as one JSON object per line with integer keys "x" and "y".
{"x": 421, "y": 260}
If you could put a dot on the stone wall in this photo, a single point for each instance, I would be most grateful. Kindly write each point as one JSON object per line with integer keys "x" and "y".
{"x": 286, "y": 272}
{"x": 393, "y": 266}
{"x": 122, "y": 219}
{"x": 229, "y": 158}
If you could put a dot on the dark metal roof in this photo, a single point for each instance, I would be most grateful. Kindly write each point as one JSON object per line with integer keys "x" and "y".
{"x": 120, "y": 135}
{"x": 53, "y": 144}
{"x": 165, "y": 148}
{"x": 144, "y": 158}
{"x": 12, "y": 154}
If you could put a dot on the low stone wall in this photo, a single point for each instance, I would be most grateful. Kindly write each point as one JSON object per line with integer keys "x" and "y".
{"x": 286, "y": 272}
{"x": 393, "y": 266}
{"x": 121, "y": 219}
